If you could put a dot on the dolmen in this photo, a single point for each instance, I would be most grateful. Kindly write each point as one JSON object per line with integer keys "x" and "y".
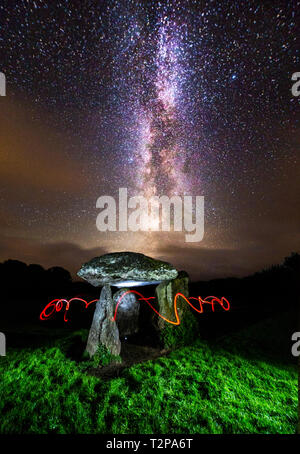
{"x": 126, "y": 270}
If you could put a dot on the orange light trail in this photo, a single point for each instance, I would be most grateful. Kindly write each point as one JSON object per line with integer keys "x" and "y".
{"x": 224, "y": 303}
{"x": 57, "y": 304}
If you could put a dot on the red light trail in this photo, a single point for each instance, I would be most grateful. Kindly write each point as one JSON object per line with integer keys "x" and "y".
{"x": 57, "y": 305}
{"x": 223, "y": 303}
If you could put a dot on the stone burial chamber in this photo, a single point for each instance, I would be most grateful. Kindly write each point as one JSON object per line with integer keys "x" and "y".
{"x": 126, "y": 270}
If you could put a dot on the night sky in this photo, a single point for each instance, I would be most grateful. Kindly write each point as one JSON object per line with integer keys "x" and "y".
{"x": 164, "y": 98}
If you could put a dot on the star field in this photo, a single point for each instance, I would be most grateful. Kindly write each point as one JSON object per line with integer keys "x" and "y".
{"x": 170, "y": 97}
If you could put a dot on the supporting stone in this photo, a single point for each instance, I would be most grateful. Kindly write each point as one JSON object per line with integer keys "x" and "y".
{"x": 103, "y": 330}
{"x": 127, "y": 313}
{"x": 175, "y": 335}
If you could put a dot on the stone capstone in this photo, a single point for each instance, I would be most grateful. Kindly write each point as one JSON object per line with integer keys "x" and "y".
{"x": 126, "y": 269}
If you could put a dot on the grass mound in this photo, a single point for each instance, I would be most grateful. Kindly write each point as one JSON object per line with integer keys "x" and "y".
{"x": 209, "y": 387}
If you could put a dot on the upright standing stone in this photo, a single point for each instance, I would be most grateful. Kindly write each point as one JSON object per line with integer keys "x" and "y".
{"x": 127, "y": 313}
{"x": 175, "y": 335}
{"x": 165, "y": 294}
{"x": 103, "y": 330}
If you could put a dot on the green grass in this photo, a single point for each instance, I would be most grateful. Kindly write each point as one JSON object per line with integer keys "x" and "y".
{"x": 210, "y": 387}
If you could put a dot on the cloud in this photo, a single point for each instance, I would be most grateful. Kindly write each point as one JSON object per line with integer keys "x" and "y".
{"x": 205, "y": 263}
{"x": 28, "y": 250}
{"x": 200, "y": 262}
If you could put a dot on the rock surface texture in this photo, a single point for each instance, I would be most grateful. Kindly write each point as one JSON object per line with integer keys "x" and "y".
{"x": 127, "y": 313}
{"x": 165, "y": 294}
{"x": 104, "y": 331}
{"x": 172, "y": 336}
{"x": 126, "y": 269}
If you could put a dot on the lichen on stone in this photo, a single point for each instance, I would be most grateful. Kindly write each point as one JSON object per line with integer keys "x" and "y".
{"x": 114, "y": 268}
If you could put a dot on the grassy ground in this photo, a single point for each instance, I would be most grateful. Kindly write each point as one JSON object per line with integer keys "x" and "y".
{"x": 229, "y": 386}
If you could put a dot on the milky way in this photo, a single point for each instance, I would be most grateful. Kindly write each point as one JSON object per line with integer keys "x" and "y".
{"x": 164, "y": 98}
